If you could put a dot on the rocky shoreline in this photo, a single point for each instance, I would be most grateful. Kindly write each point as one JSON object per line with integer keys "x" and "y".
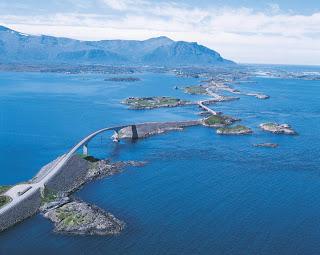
{"x": 235, "y": 130}
{"x": 153, "y": 128}
{"x": 219, "y": 121}
{"x": 72, "y": 216}
{"x": 266, "y": 145}
{"x": 144, "y": 103}
{"x": 123, "y": 79}
{"x": 276, "y": 128}
{"x": 79, "y": 218}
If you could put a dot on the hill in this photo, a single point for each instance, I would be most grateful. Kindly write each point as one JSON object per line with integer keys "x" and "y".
{"x": 16, "y": 47}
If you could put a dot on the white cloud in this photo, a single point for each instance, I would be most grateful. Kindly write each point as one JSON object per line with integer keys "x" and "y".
{"x": 243, "y": 34}
{"x": 117, "y": 4}
{"x": 274, "y": 8}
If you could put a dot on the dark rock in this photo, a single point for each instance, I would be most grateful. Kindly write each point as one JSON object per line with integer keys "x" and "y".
{"x": 267, "y": 145}
{"x": 80, "y": 218}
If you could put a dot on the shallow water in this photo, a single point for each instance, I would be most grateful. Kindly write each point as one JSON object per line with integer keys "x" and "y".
{"x": 200, "y": 193}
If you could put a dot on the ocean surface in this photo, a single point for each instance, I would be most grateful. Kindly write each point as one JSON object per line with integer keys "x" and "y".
{"x": 200, "y": 193}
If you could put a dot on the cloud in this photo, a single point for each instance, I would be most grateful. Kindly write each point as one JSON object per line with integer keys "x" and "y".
{"x": 274, "y": 8}
{"x": 120, "y": 5}
{"x": 242, "y": 34}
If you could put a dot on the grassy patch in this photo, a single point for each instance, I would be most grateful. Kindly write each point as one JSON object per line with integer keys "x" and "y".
{"x": 270, "y": 125}
{"x": 4, "y": 200}
{"x": 234, "y": 130}
{"x": 215, "y": 120}
{"x": 123, "y": 79}
{"x": 153, "y": 102}
{"x": 69, "y": 218}
{"x": 196, "y": 90}
{"x": 89, "y": 158}
{"x": 3, "y": 189}
{"x": 48, "y": 196}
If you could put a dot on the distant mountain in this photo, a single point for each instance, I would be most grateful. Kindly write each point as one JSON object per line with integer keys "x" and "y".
{"x": 17, "y": 47}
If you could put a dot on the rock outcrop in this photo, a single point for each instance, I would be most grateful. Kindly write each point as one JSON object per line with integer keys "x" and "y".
{"x": 152, "y": 128}
{"x": 219, "y": 121}
{"x": 143, "y": 103}
{"x": 76, "y": 217}
{"x": 80, "y": 218}
{"x": 278, "y": 128}
{"x": 236, "y": 130}
{"x": 266, "y": 145}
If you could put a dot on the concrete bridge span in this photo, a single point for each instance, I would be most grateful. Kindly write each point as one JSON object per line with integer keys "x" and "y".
{"x": 26, "y": 197}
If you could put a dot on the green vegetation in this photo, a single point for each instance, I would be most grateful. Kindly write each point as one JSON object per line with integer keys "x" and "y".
{"x": 4, "y": 200}
{"x": 271, "y": 125}
{"x": 216, "y": 120}
{"x": 196, "y": 90}
{"x": 48, "y": 196}
{"x": 124, "y": 79}
{"x": 89, "y": 158}
{"x": 3, "y": 189}
{"x": 153, "y": 102}
{"x": 235, "y": 130}
{"x": 219, "y": 120}
{"x": 70, "y": 218}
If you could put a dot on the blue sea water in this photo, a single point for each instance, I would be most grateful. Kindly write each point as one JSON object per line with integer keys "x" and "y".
{"x": 200, "y": 193}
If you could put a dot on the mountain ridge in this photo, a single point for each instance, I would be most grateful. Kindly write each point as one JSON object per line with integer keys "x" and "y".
{"x": 16, "y": 47}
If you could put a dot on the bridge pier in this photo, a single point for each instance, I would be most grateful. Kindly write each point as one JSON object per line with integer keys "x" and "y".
{"x": 115, "y": 137}
{"x": 85, "y": 150}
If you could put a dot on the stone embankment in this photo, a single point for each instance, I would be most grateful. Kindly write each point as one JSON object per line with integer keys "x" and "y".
{"x": 72, "y": 216}
{"x": 152, "y": 128}
{"x": 46, "y": 193}
{"x": 20, "y": 211}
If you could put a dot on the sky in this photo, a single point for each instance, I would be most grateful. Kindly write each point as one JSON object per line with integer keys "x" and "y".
{"x": 246, "y": 31}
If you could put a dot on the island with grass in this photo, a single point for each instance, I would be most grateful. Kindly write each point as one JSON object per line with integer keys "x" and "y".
{"x": 72, "y": 216}
{"x": 276, "y": 128}
{"x": 234, "y": 130}
{"x": 123, "y": 79}
{"x": 219, "y": 120}
{"x": 196, "y": 90}
{"x": 140, "y": 103}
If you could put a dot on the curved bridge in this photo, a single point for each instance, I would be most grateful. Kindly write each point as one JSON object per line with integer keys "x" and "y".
{"x": 26, "y": 197}
{"x": 84, "y": 144}
{"x": 201, "y": 105}
{"x": 25, "y": 191}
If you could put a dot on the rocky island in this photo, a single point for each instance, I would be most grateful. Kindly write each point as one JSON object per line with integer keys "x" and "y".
{"x": 212, "y": 87}
{"x": 236, "y": 130}
{"x": 278, "y": 128}
{"x": 140, "y": 103}
{"x": 196, "y": 90}
{"x": 123, "y": 79}
{"x": 72, "y": 216}
{"x": 219, "y": 121}
{"x": 266, "y": 145}
{"x": 152, "y": 128}
{"x": 80, "y": 218}
{"x": 258, "y": 95}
